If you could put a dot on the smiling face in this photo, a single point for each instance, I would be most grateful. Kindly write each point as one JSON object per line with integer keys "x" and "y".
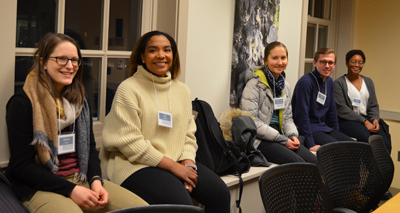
{"x": 276, "y": 61}
{"x": 353, "y": 65}
{"x": 158, "y": 55}
{"x": 62, "y": 75}
{"x": 325, "y": 65}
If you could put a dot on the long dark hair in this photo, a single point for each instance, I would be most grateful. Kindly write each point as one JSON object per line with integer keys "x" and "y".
{"x": 135, "y": 59}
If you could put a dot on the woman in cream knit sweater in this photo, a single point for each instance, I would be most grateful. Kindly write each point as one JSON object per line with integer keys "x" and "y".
{"x": 149, "y": 145}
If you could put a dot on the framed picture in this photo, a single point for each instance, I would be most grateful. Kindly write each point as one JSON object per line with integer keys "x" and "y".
{"x": 256, "y": 25}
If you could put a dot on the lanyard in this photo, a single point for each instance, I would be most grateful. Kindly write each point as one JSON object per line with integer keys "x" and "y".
{"x": 318, "y": 84}
{"x": 170, "y": 95}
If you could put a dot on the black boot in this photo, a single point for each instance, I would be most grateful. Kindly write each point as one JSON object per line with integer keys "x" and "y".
{"x": 386, "y": 196}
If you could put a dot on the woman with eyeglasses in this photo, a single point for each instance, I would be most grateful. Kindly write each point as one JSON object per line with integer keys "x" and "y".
{"x": 54, "y": 164}
{"x": 356, "y": 102}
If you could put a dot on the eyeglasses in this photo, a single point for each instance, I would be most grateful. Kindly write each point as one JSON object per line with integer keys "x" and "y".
{"x": 76, "y": 62}
{"x": 331, "y": 63}
{"x": 360, "y": 63}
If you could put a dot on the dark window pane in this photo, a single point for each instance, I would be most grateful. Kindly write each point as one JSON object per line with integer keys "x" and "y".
{"x": 117, "y": 71}
{"x": 308, "y": 67}
{"x": 310, "y": 2}
{"x": 322, "y": 36}
{"x": 35, "y": 18}
{"x": 91, "y": 82}
{"x": 310, "y": 40}
{"x": 23, "y": 65}
{"x": 84, "y": 18}
{"x": 322, "y": 9}
{"x": 319, "y": 9}
{"x": 125, "y": 24}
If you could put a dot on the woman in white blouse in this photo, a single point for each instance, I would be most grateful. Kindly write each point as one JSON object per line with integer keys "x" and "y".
{"x": 356, "y": 102}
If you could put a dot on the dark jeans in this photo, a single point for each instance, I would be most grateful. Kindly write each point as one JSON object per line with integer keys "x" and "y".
{"x": 158, "y": 186}
{"x": 360, "y": 132}
{"x": 280, "y": 154}
{"x": 321, "y": 138}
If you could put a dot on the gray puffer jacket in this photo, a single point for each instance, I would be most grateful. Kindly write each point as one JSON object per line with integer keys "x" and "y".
{"x": 257, "y": 99}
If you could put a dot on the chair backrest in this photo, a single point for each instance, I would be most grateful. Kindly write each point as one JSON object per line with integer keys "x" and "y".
{"x": 8, "y": 201}
{"x": 383, "y": 159}
{"x": 351, "y": 175}
{"x": 161, "y": 208}
{"x": 294, "y": 187}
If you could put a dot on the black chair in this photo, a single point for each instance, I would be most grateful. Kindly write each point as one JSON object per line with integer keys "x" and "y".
{"x": 295, "y": 187}
{"x": 351, "y": 175}
{"x": 382, "y": 157}
{"x": 8, "y": 201}
{"x": 161, "y": 208}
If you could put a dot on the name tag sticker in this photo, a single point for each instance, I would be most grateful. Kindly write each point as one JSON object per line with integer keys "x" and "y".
{"x": 356, "y": 102}
{"x": 165, "y": 119}
{"x": 321, "y": 98}
{"x": 278, "y": 103}
{"x": 66, "y": 144}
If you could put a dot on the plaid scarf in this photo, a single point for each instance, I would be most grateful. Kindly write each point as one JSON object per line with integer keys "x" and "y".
{"x": 279, "y": 83}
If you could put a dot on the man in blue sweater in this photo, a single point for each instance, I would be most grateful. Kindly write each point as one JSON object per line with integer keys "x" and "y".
{"x": 314, "y": 109}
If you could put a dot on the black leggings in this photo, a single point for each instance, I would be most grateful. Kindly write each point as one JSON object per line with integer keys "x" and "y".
{"x": 158, "y": 186}
{"x": 321, "y": 138}
{"x": 280, "y": 154}
{"x": 360, "y": 132}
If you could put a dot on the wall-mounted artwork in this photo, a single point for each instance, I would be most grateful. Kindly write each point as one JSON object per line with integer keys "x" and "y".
{"x": 256, "y": 25}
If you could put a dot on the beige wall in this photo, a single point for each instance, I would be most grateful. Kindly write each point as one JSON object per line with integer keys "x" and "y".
{"x": 376, "y": 33}
{"x": 8, "y": 12}
{"x": 209, "y": 47}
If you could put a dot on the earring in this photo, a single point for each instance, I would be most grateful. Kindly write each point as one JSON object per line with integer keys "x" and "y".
{"x": 143, "y": 62}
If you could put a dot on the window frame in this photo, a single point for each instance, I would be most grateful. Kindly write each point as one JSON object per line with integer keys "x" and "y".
{"x": 330, "y": 22}
{"x": 149, "y": 20}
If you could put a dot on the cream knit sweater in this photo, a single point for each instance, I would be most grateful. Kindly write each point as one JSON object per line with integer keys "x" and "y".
{"x": 132, "y": 139}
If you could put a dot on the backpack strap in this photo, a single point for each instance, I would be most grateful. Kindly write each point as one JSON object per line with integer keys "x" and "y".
{"x": 240, "y": 193}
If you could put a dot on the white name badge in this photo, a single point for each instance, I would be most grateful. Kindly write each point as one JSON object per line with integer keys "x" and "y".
{"x": 356, "y": 102}
{"x": 321, "y": 98}
{"x": 66, "y": 143}
{"x": 165, "y": 119}
{"x": 278, "y": 103}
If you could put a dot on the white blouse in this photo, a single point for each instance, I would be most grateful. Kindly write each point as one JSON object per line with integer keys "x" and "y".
{"x": 359, "y": 99}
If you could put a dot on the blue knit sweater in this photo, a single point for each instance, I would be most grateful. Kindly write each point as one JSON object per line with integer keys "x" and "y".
{"x": 310, "y": 116}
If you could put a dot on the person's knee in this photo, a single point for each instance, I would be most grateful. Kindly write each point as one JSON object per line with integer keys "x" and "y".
{"x": 51, "y": 202}
{"x": 295, "y": 158}
{"x": 225, "y": 195}
{"x": 220, "y": 201}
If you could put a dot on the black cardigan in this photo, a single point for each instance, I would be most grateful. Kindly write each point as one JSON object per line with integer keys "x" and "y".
{"x": 25, "y": 175}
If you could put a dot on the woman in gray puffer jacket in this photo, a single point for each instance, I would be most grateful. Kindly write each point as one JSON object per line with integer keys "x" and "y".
{"x": 267, "y": 97}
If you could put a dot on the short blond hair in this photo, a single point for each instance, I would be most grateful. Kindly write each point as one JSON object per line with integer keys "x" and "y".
{"x": 323, "y": 51}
